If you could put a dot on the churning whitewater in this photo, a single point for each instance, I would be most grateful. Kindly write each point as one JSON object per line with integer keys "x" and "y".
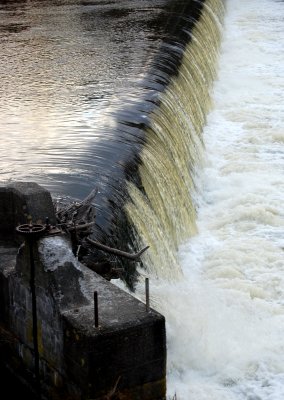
{"x": 225, "y": 317}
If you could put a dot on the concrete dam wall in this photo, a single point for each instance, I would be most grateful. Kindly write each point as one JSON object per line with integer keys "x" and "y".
{"x": 124, "y": 357}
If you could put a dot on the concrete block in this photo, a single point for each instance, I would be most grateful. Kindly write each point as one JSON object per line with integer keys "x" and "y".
{"x": 6, "y": 213}
{"x": 31, "y": 202}
{"x": 125, "y": 355}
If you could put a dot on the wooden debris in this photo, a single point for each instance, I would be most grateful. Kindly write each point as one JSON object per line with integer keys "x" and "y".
{"x": 120, "y": 253}
{"x": 78, "y": 220}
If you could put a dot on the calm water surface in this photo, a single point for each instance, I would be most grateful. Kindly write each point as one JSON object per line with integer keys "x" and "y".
{"x": 67, "y": 69}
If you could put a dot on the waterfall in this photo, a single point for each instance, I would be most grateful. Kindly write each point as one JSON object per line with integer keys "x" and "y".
{"x": 163, "y": 212}
{"x": 225, "y": 315}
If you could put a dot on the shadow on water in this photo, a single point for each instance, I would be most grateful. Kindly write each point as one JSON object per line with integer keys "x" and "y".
{"x": 85, "y": 77}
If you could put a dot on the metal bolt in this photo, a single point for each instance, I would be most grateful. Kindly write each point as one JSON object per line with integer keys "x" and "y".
{"x": 47, "y": 224}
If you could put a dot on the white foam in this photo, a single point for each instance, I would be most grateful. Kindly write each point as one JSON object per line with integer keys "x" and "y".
{"x": 225, "y": 320}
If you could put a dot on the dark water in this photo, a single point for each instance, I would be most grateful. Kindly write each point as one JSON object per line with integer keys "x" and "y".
{"x": 66, "y": 67}
{"x": 74, "y": 78}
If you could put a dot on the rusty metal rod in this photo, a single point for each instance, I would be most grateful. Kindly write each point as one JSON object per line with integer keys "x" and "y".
{"x": 147, "y": 294}
{"x": 34, "y": 315}
{"x": 96, "y": 309}
{"x": 32, "y": 232}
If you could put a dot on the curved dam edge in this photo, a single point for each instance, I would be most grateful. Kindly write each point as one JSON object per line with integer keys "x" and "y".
{"x": 161, "y": 208}
{"x": 113, "y": 224}
{"x": 132, "y": 122}
{"x": 125, "y": 355}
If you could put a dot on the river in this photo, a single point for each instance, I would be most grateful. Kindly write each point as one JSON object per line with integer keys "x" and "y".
{"x": 225, "y": 305}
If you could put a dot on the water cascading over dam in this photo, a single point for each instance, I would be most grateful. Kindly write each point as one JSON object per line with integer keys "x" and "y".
{"x": 163, "y": 213}
{"x": 224, "y": 310}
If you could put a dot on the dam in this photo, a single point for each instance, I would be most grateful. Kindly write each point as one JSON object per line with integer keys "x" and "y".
{"x": 203, "y": 162}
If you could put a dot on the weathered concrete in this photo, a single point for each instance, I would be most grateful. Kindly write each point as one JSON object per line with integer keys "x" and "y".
{"x": 22, "y": 202}
{"x": 6, "y": 213}
{"x": 126, "y": 355}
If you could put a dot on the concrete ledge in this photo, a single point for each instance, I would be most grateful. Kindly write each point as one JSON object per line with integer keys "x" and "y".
{"x": 125, "y": 355}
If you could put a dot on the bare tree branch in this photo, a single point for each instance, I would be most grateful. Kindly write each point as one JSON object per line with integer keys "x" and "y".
{"x": 117, "y": 252}
{"x": 82, "y": 211}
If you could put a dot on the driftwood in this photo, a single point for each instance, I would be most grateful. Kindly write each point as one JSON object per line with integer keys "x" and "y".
{"x": 78, "y": 212}
{"x": 120, "y": 253}
{"x": 77, "y": 219}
